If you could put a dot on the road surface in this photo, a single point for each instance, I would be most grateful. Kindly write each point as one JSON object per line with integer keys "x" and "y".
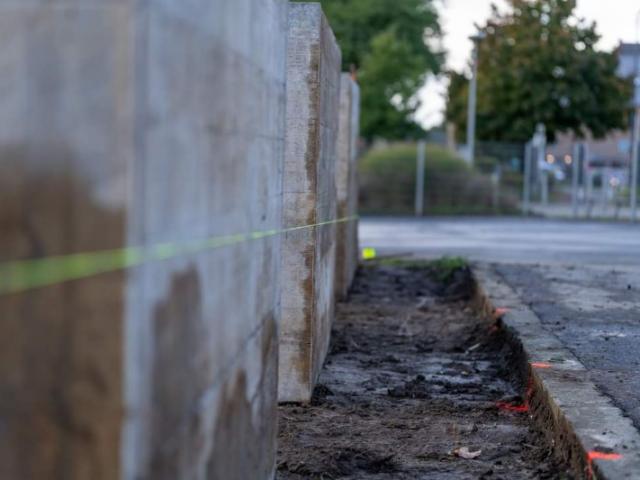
{"x": 507, "y": 240}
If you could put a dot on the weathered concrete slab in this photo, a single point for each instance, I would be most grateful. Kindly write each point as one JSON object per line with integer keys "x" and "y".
{"x": 347, "y": 185}
{"x": 308, "y": 264}
{"x": 586, "y": 427}
{"x": 127, "y": 123}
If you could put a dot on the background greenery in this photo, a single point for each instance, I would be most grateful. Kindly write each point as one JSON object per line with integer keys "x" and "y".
{"x": 538, "y": 64}
{"x": 387, "y": 45}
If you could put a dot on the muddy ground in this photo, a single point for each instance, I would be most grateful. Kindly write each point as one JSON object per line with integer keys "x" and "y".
{"x": 412, "y": 377}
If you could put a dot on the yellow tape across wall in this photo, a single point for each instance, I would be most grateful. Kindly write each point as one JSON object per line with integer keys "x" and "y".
{"x": 20, "y": 275}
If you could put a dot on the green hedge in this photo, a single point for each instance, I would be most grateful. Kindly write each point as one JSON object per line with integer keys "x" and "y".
{"x": 387, "y": 183}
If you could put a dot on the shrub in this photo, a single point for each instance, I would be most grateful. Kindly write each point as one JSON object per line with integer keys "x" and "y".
{"x": 387, "y": 183}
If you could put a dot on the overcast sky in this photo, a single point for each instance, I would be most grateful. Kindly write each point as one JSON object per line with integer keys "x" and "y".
{"x": 615, "y": 22}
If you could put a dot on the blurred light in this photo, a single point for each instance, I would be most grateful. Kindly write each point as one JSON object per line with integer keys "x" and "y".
{"x": 551, "y": 159}
{"x": 614, "y": 182}
{"x": 568, "y": 160}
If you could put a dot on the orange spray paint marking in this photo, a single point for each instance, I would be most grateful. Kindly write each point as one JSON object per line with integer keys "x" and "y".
{"x": 499, "y": 312}
{"x": 510, "y": 407}
{"x": 595, "y": 455}
{"x": 524, "y": 408}
{"x": 540, "y": 365}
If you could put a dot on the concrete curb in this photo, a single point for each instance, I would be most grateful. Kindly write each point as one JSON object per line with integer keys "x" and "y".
{"x": 582, "y": 424}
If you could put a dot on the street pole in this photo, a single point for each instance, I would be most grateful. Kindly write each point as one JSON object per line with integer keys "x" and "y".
{"x": 636, "y": 131}
{"x": 575, "y": 172}
{"x": 634, "y": 160}
{"x": 473, "y": 95}
{"x": 544, "y": 195}
{"x": 495, "y": 183}
{"x": 526, "y": 181}
{"x": 420, "y": 160}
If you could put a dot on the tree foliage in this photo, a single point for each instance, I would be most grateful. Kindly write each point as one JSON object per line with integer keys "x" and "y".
{"x": 388, "y": 44}
{"x": 538, "y": 64}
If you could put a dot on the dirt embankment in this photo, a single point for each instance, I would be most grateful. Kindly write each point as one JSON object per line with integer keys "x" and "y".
{"x": 414, "y": 383}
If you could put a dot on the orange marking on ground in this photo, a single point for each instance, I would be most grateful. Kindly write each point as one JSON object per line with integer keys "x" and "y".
{"x": 595, "y": 455}
{"x": 499, "y": 312}
{"x": 540, "y": 365}
{"x": 510, "y": 407}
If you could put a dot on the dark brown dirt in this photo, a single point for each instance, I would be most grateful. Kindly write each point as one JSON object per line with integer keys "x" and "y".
{"x": 412, "y": 375}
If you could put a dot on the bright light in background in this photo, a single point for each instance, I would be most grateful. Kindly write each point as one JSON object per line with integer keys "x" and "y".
{"x": 615, "y": 19}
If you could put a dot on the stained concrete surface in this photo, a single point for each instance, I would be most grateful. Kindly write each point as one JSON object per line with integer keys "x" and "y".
{"x": 135, "y": 124}
{"x": 509, "y": 239}
{"x": 308, "y": 255}
{"x": 347, "y": 185}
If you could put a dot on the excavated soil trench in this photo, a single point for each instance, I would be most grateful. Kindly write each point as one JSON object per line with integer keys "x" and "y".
{"x": 414, "y": 383}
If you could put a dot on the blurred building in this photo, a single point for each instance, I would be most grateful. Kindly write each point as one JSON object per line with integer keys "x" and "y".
{"x": 613, "y": 152}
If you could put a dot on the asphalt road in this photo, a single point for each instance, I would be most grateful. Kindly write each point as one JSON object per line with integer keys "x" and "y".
{"x": 581, "y": 278}
{"x": 507, "y": 240}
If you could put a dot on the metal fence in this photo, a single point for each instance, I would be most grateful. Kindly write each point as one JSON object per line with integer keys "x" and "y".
{"x": 565, "y": 180}
{"x": 576, "y": 181}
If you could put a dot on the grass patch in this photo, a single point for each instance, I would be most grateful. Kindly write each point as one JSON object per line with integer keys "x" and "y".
{"x": 442, "y": 269}
{"x": 446, "y": 267}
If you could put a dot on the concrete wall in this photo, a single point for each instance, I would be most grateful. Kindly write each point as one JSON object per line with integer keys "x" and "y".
{"x": 135, "y": 123}
{"x": 347, "y": 185}
{"x": 308, "y": 263}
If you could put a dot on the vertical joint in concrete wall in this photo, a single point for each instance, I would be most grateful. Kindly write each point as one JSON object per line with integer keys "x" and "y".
{"x": 308, "y": 257}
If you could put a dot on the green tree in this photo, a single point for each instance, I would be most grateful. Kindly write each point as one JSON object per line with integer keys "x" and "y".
{"x": 388, "y": 44}
{"x": 538, "y": 64}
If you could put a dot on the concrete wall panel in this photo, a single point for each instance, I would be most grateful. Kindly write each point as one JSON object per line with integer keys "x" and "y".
{"x": 347, "y": 185}
{"x": 66, "y": 121}
{"x": 308, "y": 263}
{"x": 137, "y": 123}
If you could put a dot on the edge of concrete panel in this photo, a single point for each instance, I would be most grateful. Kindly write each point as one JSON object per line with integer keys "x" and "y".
{"x": 584, "y": 426}
{"x": 312, "y": 56}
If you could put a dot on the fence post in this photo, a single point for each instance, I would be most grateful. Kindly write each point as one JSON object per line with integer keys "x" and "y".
{"x": 526, "y": 181}
{"x": 495, "y": 182}
{"x": 575, "y": 170}
{"x": 419, "y": 204}
{"x": 634, "y": 168}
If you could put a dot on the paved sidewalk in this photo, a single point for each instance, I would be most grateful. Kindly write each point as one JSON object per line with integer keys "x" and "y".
{"x": 595, "y": 313}
{"x": 598, "y": 211}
